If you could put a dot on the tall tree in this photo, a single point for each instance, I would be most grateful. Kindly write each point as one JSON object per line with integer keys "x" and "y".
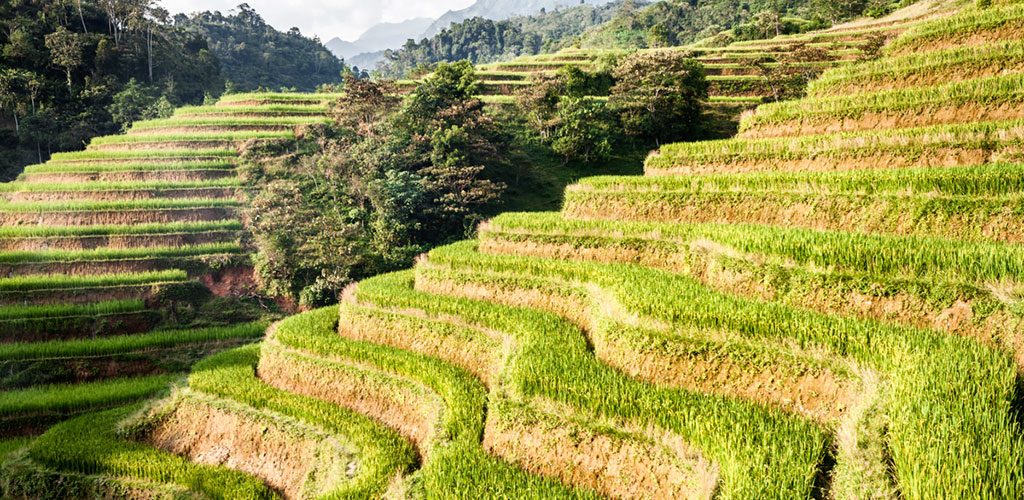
{"x": 65, "y": 51}
{"x": 10, "y": 93}
{"x": 658, "y": 94}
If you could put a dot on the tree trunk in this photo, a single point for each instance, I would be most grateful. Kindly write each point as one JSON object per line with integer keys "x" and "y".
{"x": 149, "y": 46}
{"x": 39, "y": 152}
{"x": 17, "y": 127}
{"x": 82, "y": 18}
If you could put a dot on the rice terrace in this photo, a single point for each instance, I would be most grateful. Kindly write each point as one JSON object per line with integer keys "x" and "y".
{"x": 626, "y": 249}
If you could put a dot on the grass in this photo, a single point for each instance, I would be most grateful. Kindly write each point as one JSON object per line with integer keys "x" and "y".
{"x": 9, "y": 187}
{"x": 54, "y": 311}
{"x": 142, "y": 153}
{"x": 74, "y": 398}
{"x": 459, "y": 463}
{"x": 122, "y": 344}
{"x": 908, "y": 142}
{"x": 992, "y": 180}
{"x": 497, "y": 99}
{"x": 538, "y": 64}
{"x": 904, "y": 256}
{"x": 37, "y": 282}
{"x": 384, "y": 453}
{"x": 944, "y": 216}
{"x": 913, "y": 69}
{"x": 953, "y": 390}
{"x": 741, "y": 99}
{"x": 85, "y": 205}
{"x": 552, "y": 360}
{"x": 268, "y": 110}
{"x": 279, "y": 96}
{"x": 97, "y": 167}
{"x": 736, "y": 78}
{"x": 92, "y": 445}
{"x": 990, "y": 91}
{"x": 191, "y": 137}
{"x": 119, "y": 254}
{"x": 240, "y": 121}
{"x": 960, "y": 26}
{"x": 119, "y": 229}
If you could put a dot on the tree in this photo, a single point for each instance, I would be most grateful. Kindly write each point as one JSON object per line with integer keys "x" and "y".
{"x": 788, "y": 78}
{"x": 627, "y": 13}
{"x": 659, "y": 36}
{"x": 584, "y": 130}
{"x": 364, "y": 104}
{"x": 121, "y": 14}
{"x": 65, "y": 51}
{"x": 658, "y": 95}
{"x": 82, "y": 17}
{"x": 768, "y": 22}
{"x": 539, "y": 104}
{"x": 447, "y": 127}
{"x": 368, "y": 192}
{"x": 10, "y": 94}
{"x": 156, "y": 17}
{"x": 450, "y": 84}
{"x": 138, "y": 102}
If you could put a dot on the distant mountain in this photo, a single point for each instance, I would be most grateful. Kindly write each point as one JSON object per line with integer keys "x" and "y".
{"x": 368, "y": 50}
{"x": 366, "y": 60}
{"x": 497, "y": 10}
{"x": 380, "y": 37}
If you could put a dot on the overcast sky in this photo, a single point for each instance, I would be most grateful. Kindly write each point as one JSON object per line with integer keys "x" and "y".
{"x": 328, "y": 18}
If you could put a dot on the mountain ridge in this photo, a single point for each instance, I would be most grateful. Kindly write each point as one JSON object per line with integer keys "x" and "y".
{"x": 370, "y": 46}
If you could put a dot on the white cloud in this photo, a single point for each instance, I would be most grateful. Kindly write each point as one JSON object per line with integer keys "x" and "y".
{"x": 342, "y": 18}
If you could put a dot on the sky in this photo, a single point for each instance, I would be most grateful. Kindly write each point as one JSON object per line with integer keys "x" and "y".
{"x": 346, "y": 19}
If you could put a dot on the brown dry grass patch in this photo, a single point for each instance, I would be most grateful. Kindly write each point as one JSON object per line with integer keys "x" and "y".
{"x": 412, "y": 413}
{"x": 282, "y": 456}
{"x": 480, "y": 355}
{"x": 659, "y": 467}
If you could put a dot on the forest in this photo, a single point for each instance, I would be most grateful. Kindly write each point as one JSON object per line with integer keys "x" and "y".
{"x": 70, "y": 71}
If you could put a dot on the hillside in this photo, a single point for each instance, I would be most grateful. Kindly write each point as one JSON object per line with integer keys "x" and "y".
{"x": 127, "y": 262}
{"x": 254, "y": 55}
{"x": 827, "y": 305}
{"x": 500, "y": 9}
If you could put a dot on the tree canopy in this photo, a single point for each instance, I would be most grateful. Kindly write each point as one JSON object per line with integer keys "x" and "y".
{"x": 255, "y": 55}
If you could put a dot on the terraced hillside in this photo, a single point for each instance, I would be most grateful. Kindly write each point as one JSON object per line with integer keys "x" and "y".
{"x": 107, "y": 254}
{"x": 799, "y": 312}
{"x": 735, "y": 80}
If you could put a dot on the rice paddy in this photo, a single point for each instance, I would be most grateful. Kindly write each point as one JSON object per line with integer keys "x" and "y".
{"x": 815, "y": 314}
{"x": 104, "y": 253}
